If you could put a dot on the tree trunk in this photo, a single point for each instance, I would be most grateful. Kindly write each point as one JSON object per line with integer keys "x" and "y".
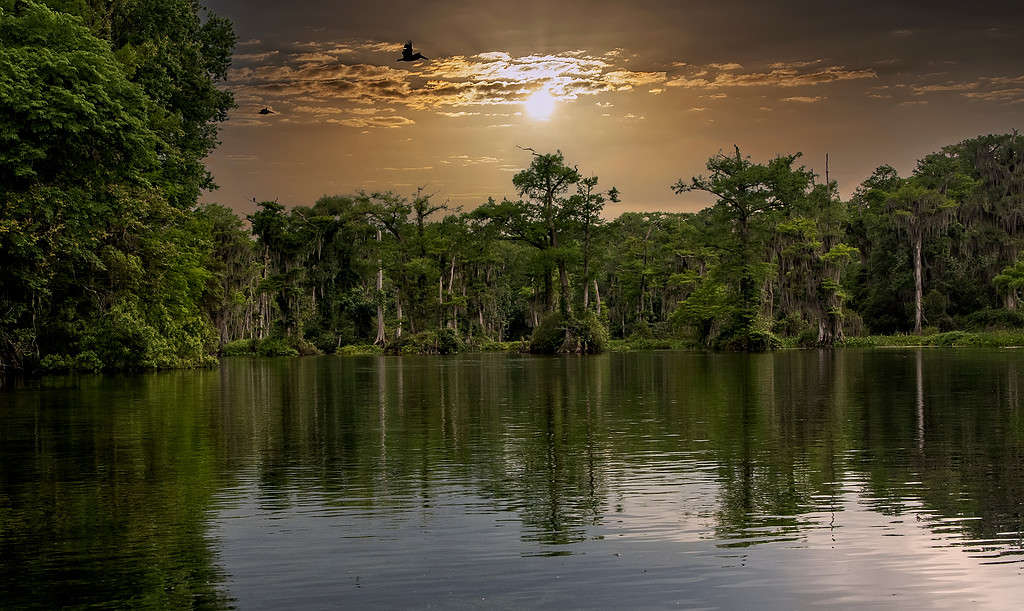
{"x": 586, "y": 289}
{"x": 398, "y": 312}
{"x": 381, "y": 335}
{"x": 586, "y": 268}
{"x": 549, "y": 302}
{"x": 563, "y": 280}
{"x": 918, "y": 287}
{"x": 597, "y": 297}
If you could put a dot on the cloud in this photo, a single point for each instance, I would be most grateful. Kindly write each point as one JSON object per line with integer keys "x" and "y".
{"x": 943, "y": 87}
{"x": 345, "y": 75}
{"x": 1013, "y": 96}
{"x": 780, "y": 74}
{"x": 254, "y": 57}
{"x": 389, "y": 121}
{"x": 995, "y": 89}
{"x": 805, "y": 99}
{"x": 319, "y": 110}
{"x": 466, "y": 160}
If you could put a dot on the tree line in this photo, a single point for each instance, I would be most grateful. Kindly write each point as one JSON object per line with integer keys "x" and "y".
{"x": 107, "y": 110}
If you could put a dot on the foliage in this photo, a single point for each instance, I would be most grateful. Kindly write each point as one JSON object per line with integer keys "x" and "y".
{"x": 102, "y": 263}
{"x": 108, "y": 109}
{"x": 576, "y": 335}
{"x": 360, "y": 350}
{"x": 441, "y": 341}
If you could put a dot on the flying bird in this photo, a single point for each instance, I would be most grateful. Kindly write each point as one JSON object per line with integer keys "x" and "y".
{"x": 267, "y": 111}
{"x": 408, "y": 55}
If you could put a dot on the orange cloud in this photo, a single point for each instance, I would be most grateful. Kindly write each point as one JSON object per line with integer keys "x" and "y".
{"x": 789, "y": 74}
{"x": 329, "y": 75}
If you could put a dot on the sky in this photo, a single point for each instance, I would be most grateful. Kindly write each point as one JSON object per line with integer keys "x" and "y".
{"x": 638, "y": 93}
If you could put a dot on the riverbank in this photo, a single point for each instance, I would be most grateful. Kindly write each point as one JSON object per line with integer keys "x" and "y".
{"x": 981, "y": 339}
{"x": 276, "y": 347}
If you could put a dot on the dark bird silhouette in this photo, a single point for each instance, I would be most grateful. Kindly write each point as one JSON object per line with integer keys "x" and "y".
{"x": 267, "y": 111}
{"x": 408, "y": 55}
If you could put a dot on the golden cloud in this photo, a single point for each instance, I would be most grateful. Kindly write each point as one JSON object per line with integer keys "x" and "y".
{"x": 329, "y": 75}
{"x": 805, "y": 99}
{"x": 788, "y": 74}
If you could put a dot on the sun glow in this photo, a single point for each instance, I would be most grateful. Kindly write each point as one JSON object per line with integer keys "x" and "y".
{"x": 540, "y": 105}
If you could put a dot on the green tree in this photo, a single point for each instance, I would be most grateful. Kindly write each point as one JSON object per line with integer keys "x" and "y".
{"x": 747, "y": 195}
{"x": 542, "y": 218}
{"x": 178, "y": 58}
{"x": 921, "y": 212}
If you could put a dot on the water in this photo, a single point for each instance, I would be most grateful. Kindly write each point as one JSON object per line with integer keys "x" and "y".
{"x": 886, "y": 478}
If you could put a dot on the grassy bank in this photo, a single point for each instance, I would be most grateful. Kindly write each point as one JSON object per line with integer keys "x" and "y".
{"x": 980, "y": 339}
{"x": 641, "y": 344}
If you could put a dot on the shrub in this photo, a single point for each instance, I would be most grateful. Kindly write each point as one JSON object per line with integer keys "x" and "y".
{"x": 83, "y": 361}
{"x": 752, "y": 340}
{"x": 441, "y": 341}
{"x": 359, "y": 350}
{"x": 953, "y": 338}
{"x": 808, "y": 338}
{"x": 487, "y": 345}
{"x": 303, "y": 346}
{"x": 448, "y": 342}
{"x": 641, "y": 330}
{"x": 275, "y": 346}
{"x": 239, "y": 347}
{"x": 792, "y": 324}
{"x": 994, "y": 318}
{"x": 583, "y": 335}
{"x": 935, "y": 305}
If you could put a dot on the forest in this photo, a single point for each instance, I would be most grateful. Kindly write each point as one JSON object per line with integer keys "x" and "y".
{"x": 109, "y": 261}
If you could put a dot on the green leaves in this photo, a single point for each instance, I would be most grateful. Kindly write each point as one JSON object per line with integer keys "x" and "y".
{"x": 67, "y": 112}
{"x": 95, "y": 186}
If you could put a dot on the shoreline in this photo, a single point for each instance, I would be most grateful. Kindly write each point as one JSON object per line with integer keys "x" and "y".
{"x": 1003, "y": 339}
{"x": 996, "y": 339}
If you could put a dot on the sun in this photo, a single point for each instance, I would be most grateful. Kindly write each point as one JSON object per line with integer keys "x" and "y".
{"x": 540, "y": 105}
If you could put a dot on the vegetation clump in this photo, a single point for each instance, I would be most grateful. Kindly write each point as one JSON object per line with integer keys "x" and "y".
{"x": 441, "y": 341}
{"x": 573, "y": 335}
{"x": 270, "y": 346}
{"x": 359, "y": 350}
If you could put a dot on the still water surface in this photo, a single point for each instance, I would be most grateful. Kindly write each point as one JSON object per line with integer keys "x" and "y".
{"x": 888, "y": 478}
